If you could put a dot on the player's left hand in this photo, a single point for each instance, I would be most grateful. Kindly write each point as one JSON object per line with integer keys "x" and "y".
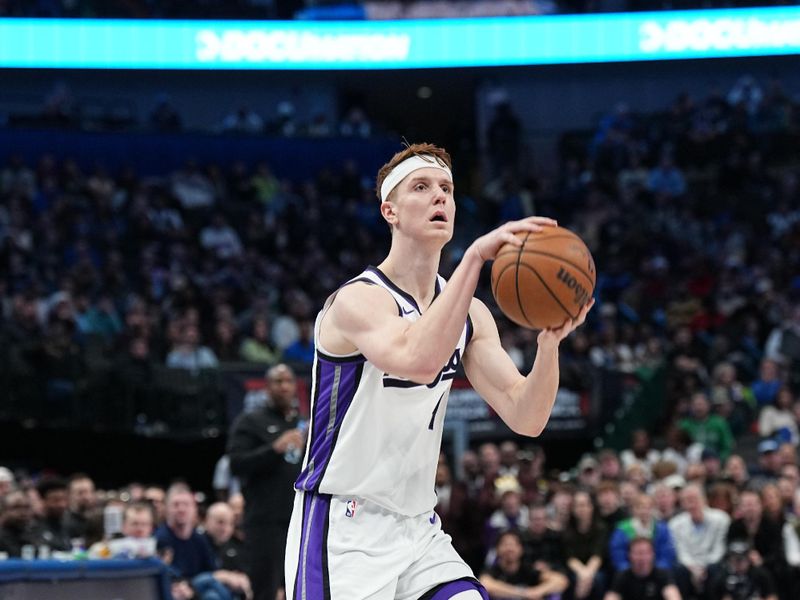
{"x": 553, "y": 336}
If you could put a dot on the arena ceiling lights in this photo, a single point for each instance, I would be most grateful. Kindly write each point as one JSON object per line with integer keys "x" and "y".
{"x": 439, "y": 43}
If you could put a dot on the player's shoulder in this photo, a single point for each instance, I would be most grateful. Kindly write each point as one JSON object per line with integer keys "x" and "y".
{"x": 360, "y": 298}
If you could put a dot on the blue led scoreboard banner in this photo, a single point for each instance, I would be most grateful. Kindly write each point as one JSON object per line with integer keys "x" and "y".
{"x": 436, "y": 43}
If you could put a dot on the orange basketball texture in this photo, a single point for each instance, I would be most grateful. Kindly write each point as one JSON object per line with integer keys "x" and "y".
{"x": 545, "y": 281}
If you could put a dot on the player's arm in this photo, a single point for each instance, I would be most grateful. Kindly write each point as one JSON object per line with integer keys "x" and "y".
{"x": 524, "y": 403}
{"x": 364, "y": 317}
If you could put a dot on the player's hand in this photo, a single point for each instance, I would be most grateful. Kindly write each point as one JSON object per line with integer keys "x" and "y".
{"x": 488, "y": 245}
{"x": 292, "y": 437}
{"x": 553, "y": 336}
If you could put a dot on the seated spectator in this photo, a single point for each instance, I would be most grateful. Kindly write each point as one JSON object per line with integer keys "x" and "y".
{"x": 219, "y": 527}
{"x": 510, "y": 577}
{"x": 258, "y": 347}
{"x": 699, "y": 534}
{"x": 17, "y": 525}
{"x": 779, "y": 421}
{"x": 585, "y": 542}
{"x": 192, "y": 557}
{"x": 7, "y": 482}
{"x": 458, "y": 514}
{"x": 544, "y": 547}
{"x": 243, "y": 120}
{"x": 511, "y": 515}
{"x": 740, "y": 577}
{"x": 712, "y": 431}
{"x": 609, "y": 504}
{"x": 666, "y": 179}
{"x": 610, "y": 465}
{"x": 769, "y": 464}
{"x": 765, "y": 387}
{"x": 221, "y": 239}
{"x": 642, "y": 580}
{"x": 762, "y": 535}
{"x": 156, "y": 497}
{"x": 722, "y": 496}
{"x": 736, "y": 472}
{"x": 189, "y": 354}
{"x": 193, "y": 189}
{"x": 82, "y": 499}
{"x": 666, "y": 501}
{"x": 642, "y": 524}
{"x": 640, "y": 451}
{"x": 52, "y": 524}
{"x": 302, "y": 350}
{"x": 138, "y": 521}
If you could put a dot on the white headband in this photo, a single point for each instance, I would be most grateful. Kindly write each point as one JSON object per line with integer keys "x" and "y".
{"x": 409, "y": 165}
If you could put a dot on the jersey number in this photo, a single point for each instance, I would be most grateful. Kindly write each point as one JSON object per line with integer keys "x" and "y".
{"x": 433, "y": 414}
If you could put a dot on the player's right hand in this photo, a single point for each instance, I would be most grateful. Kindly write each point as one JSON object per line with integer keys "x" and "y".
{"x": 488, "y": 245}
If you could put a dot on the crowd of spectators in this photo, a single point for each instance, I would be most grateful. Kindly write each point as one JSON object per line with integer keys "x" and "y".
{"x": 693, "y": 217}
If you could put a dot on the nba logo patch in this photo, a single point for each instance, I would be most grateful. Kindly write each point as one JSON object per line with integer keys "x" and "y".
{"x": 351, "y": 508}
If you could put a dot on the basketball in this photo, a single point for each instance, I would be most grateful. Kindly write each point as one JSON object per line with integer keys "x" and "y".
{"x": 545, "y": 281}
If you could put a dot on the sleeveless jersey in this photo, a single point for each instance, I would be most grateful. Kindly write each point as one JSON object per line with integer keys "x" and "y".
{"x": 374, "y": 435}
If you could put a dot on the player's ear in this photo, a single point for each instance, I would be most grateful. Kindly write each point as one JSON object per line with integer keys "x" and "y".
{"x": 388, "y": 212}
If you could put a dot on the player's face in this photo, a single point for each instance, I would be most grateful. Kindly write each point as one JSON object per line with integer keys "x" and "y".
{"x": 425, "y": 206}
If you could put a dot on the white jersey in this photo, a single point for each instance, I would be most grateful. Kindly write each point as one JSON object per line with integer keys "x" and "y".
{"x": 372, "y": 434}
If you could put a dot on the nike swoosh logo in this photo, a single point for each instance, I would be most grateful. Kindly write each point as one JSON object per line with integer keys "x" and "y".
{"x": 407, "y": 312}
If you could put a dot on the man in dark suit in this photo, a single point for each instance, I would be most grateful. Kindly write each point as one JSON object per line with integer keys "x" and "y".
{"x": 265, "y": 449}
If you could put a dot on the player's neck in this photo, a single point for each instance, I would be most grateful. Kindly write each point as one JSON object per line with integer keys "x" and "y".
{"x": 413, "y": 270}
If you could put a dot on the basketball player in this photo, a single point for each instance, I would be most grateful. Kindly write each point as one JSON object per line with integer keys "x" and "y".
{"x": 388, "y": 344}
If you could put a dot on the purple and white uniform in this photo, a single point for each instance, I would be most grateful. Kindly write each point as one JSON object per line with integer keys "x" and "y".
{"x": 363, "y": 524}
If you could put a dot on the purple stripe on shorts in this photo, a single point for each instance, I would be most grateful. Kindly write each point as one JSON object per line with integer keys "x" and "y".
{"x": 312, "y": 568}
{"x": 448, "y": 590}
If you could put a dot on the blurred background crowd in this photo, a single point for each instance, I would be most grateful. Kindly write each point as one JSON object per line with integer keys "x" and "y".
{"x": 126, "y": 295}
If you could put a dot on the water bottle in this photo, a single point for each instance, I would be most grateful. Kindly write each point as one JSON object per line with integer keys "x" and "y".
{"x": 293, "y": 453}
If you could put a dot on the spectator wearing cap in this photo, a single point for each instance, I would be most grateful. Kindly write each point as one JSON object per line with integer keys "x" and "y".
{"x": 55, "y": 500}
{"x": 712, "y": 463}
{"x": 740, "y": 577}
{"x": 642, "y": 524}
{"x": 585, "y": 543}
{"x": 699, "y": 534}
{"x": 769, "y": 464}
{"x": 512, "y": 515}
{"x": 512, "y": 577}
{"x": 711, "y": 431}
{"x": 588, "y": 472}
{"x": 643, "y": 580}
